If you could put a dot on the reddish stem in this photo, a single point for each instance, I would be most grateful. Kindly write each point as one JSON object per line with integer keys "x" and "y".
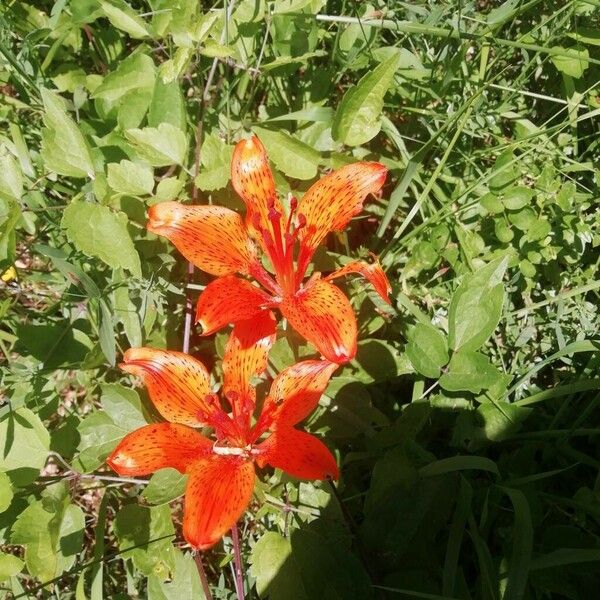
{"x": 202, "y": 573}
{"x": 237, "y": 562}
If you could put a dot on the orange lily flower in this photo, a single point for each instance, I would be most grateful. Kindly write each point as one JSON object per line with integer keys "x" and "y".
{"x": 217, "y": 240}
{"x": 221, "y": 471}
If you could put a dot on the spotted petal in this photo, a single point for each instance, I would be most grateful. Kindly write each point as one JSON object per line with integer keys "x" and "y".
{"x": 295, "y": 393}
{"x": 228, "y": 300}
{"x": 213, "y": 238}
{"x": 332, "y": 201}
{"x": 322, "y": 314}
{"x": 372, "y": 272}
{"x": 157, "y": 446}
{"x": 219, "y": 488}
{"x": 246, "y": 356}
{"x": 298, "y": 453}
{"x": 252, "y": 179}
{"x": 177, "y": 383}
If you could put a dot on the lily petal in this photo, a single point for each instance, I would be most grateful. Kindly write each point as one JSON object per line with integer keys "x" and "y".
{"x": 295, "y": 393}
{"x": 331, "y": 202}
{"x": 157, "y": 446}
{"x": 228, "y": 300}
{"x": 213, "y": 238}
{"x": 177, "y": 383}
{"x": 372, "y": 272}
{"x": 219, "y": 488}
{"x": 298, "y": 453}
{"x": 246, "y": 356}
{"x": 252, "y": 179}
{"x": 322, "y": 314}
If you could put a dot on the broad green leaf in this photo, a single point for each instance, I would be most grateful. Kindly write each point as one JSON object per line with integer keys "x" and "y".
{"x": 172, "y": 69}
{"x": 468, "y": 371}
{"x": 497, "y": 422}
{"x": 574, "y": 66}
{"x": 517, "y": 197}
{"x": 167, "y": 189}
{"x": 57, "y": 345}
{"x": 291, "y": 156}
{"x": 161, "y": 146}
{"x": 52, "y": 531}
{"x": 476, "y": 306}
{"x": 427, "y": 350}
{"x": 145, "y": 535}
{"x": 358, "y": 117}
{"x": 25, "y": 446}
{"x": 97, "y": 231}
{"x": 306, "y": 566}
{"x": 167, "y": 105}
{"x": 184, "y": 583}
{"x": 165, "y": 485}
{"x": 11, "y": 179}
{"x": 6, "y": 492}
{"x": 126, "y": 177}
{"x": 134, "y": 73}
{"x": 121, "y": 15}
{"x": 64, "y": 148}
{"x": 9, "y": 565}
{"x": 216, "y": 164}
{"x": 213, "y": 49}
{"x": 101, "y": 431}
{"x": 123, "y": 406}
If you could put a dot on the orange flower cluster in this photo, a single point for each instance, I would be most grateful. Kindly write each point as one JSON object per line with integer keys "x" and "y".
{"x": 221, "y": 243}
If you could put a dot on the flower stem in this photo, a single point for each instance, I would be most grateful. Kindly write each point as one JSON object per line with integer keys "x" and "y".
{"x": 202, "y": 573}
{"x": 237, "y": 562}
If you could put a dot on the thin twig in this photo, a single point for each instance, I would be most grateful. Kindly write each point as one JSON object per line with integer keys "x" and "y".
{"x": 237, "y": 562}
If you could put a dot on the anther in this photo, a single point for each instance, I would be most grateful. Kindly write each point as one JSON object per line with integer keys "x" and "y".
{"x": 301, "y": 221}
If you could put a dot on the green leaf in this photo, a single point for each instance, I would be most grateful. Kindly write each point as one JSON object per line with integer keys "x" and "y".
{"x": 184, "y": 583}
{"x": 216, "y": 164}
{"x": 10, "y": 215}
{"x": 574, "y": 66}
{"x": 306, "y": 566}
{"x": 6, "y": 492}
{"x": 106, "y": 333}
{"x": 427, "y": 350}
{"x": 167, "y": 105}
{"x": 126, "y": 177}
{"x": 9, "y": 566}
{"x": 135, "y": 73}
{"x": 126, "y": 311}
{"x": 476, "y": 306}
{"x": 458, "y": 463}
{"x": 291, "y": 156}
{"x": 517, "y": 197}
{"x": 11, "y": 179}
{"x": 520, "y": 560}
{"x": 124, "y": 18}
{"x": 64, "y": 148}
{"x": 99, "y": 232}
{"x": 25, "y": 445}
{"x": 161, "y": 146}
{"x": 145, "y": 535}
{"x": 357, "y": 119}
{"x": 165, "y": 485}
{"x": 101, "y": 431}
{"x": 167, "y": 189}
{"x": 468, "y": 371}
{"x": 52, "y": 531}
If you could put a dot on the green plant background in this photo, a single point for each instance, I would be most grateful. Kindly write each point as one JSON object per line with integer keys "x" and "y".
{"x": 466, "y": 428}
